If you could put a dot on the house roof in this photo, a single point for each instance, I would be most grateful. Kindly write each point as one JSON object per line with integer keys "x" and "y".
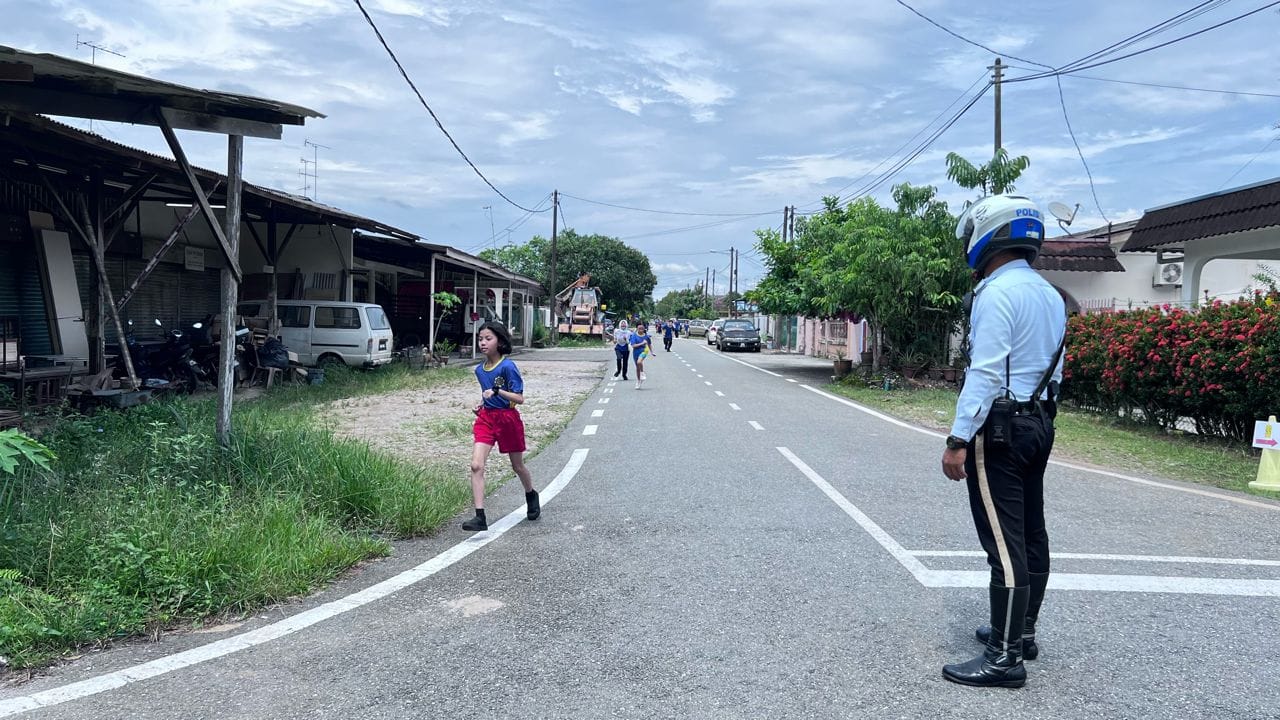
{"x": 1078, "y": 256}
{"x": 1086, "y": 251}
{"x": 1172, "y": 226}
{"x": 77, "y": 154}
{"x": 55, "y": 85}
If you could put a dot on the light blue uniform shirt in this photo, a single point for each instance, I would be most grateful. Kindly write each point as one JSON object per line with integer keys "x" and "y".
{"x": 1016, "y": 315}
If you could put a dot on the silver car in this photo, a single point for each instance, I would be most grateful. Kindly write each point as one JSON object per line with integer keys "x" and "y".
{"x": 713, "y": 331}
{"x": 698, "y": 328}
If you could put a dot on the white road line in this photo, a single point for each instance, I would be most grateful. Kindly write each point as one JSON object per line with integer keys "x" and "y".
{"x": 719, "y": 393}
{"x": 288, "y": 626}
{"x": 606, "y": 391}
{"x": 604, "y": 401}
{"x": 1184, "y": 560}
{"x": 734, "y": 406}
{"x": 699, "y": 376}
{"x": 1061, "y": 581}
{"x": 741, "y": 362}
{"x": 597, "y": 413}
{"x": 590, "y": 430}
{"x": 1081, "y": 468}
{"x": 708, "y": 382}
{"x": 899, "y": 553}
{"x": 755, "y": 424}
{"x": 791, "y": 380}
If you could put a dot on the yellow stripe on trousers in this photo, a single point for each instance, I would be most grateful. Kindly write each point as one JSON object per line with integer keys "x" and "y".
{"x": 984, "y": 489}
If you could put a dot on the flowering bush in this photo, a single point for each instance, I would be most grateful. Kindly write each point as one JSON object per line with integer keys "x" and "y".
{"x": 1215, "y": 365}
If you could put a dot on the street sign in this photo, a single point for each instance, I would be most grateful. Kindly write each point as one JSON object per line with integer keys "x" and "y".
{"x": 1266, "y": 434}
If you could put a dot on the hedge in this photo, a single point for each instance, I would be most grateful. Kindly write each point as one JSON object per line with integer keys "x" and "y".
{"x": 1216, "y": 365}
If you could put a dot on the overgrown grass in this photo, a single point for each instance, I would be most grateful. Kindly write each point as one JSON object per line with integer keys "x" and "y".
{"x": 580, "y": 341}
{"x": 1090, "y": 438}
{"x": 144, "y": 521}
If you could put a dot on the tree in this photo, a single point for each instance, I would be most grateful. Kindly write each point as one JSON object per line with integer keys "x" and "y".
{"x": 993, "y": 178}
{"x": 681, "y": 303}
{"x": 622, "y": 273}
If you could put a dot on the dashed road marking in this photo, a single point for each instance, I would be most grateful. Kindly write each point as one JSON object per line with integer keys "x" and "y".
{"x": 708, "y": 382}
{"x": 590, "y": 430}
{"x": 597, "y": 413}
{"x": 603, "y": 401}
{"x": 734, "y": 406}
{"x": 755, "y": 424}
{"x": 719, "y": 393}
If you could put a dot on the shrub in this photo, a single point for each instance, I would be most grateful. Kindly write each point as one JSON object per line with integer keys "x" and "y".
{"x": 1213, "y": 364}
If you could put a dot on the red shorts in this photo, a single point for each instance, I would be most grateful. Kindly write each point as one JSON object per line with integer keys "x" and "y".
{"x": 502, "y": 427}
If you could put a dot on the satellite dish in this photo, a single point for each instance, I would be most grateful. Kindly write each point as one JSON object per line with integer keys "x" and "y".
{"x": 1064, "y": 214}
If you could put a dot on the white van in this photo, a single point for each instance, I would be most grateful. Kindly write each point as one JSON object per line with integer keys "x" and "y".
{"x": 320, "y": 331}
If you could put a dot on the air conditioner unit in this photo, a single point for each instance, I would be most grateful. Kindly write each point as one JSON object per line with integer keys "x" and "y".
{"x": 1169, "y": 273}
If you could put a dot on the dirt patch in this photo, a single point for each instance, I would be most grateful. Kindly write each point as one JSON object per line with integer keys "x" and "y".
{"x": 433, "y": 426}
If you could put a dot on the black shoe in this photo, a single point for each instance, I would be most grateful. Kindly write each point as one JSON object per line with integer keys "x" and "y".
{"x": 1000, "y": 664}
{"x": 616, "y": 374}
{"x": 1030, "y": 650}
{"x": 531, "y": 500}
{"x": 476, "y": 523}
{"x": 624, "y": 377}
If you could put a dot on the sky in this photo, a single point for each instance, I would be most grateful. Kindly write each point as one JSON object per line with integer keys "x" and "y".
{"x": 726, "y": 110}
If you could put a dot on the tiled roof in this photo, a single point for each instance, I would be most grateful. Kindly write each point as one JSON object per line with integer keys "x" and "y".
{"x": 1172, "y": 226}
{"x": 1077, "y": 255}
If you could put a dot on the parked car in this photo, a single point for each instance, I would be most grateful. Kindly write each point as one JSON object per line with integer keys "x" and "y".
{"x": 698, "y": 328}
{"x": 738, "y": 335}
{"x": 714, "y": 329}
{"x": 323, "y": 331}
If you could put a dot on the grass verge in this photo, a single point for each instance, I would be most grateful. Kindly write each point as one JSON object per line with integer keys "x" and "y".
{"x": 144, "y": 522}
{"x": 1090, "y": 438}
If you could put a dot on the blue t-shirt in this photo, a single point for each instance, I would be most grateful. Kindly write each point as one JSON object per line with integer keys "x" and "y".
{"x": 667, "y": 331}
{"x": 511, "y": 382}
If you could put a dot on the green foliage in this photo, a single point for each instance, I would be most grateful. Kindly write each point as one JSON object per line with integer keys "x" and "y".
{"x": 447, "y": 301}
{"x": 142, "y": 520}
{"x": 622, "y": 273}
{"x": 993, "y": 178}
{"x": 16, "y": 447}
{"x": 681, "y": 303}
{"x": 901, "y": 268}
{"x": 1215, "y": 365}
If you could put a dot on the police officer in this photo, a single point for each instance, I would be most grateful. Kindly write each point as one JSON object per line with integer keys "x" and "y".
{"x": 1003, "y": 431}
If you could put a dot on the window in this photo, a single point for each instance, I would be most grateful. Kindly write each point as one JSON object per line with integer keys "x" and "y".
{"x": 342, "y": 318}
{"x": 295, "y": 316}
{"x": 739, "y": 325}
{"x": 377, "y": 318}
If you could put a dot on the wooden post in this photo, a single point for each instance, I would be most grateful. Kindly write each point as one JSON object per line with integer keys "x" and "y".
{"x": 475, "y": 310}
{"x": 230, "y": 289}
{"x": 431, "y": 309}
{"x": 273, "y": 256}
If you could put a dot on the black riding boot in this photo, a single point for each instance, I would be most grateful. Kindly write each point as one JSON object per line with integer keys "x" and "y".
{"x": 1000, "y": 664}
{"x": 532, "y": 505}
{"x": 1030, "y": 650}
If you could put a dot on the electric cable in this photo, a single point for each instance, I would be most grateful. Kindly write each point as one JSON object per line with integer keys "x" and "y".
{"x": 1076, "y": 76}
{"x": 423, "y": 100}
{"x": 1062, "y": 100}
{"x": 1249, "y": 162}
{"x": 958, "y": 36}
{"x": 666, "y": 212}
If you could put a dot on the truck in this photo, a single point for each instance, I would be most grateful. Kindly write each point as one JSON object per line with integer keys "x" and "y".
{"x": 578, "y": 308}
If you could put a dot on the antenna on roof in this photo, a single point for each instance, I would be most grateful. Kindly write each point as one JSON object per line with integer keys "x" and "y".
{"x": 311, "y": 180}
{"x": 93, "y": 57}
{"x": 1064, "y": 214}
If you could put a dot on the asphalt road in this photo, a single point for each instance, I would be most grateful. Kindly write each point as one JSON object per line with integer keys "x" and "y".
{"x": 730, "y": 543}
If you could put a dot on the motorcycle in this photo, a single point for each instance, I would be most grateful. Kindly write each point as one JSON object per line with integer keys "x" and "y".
{"x": 164, "y": 363}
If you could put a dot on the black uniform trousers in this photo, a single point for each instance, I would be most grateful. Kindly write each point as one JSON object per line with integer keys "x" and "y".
{"x": 1006, "y": 497}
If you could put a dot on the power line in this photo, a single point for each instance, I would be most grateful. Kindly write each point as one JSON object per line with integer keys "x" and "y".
{"x": 667, "y": 212}
{"x": 1075, "y": 76}
{"x": 1076, "y": 68}
{"x": 910, "y": 140}
{"x": 919, "y": 150}
{"x": 423, "y": 100}
{"x": 962, "y": 38}
{"x": 689, "y": 228}
{"x": 1092, "y": 189}
{"x": 1249, "y": 162}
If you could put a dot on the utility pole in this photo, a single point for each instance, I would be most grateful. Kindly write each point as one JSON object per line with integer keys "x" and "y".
{"x": 706, "y": 285}
{"x": 996, "y": 78}
{"x": 733, "y": 281}
{"x": 555, "y": 321}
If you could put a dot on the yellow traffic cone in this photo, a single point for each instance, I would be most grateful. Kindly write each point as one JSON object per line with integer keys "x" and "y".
{"x": 1268, "y": 466}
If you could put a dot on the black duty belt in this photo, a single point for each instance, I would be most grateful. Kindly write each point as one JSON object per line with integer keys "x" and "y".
{"x": 1034, "y": 407}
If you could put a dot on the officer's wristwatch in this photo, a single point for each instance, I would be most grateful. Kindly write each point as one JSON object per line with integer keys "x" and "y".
{"x": 955, "y": 443}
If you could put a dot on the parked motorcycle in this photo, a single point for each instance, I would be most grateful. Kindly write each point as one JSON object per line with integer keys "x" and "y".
{"x": 169, "y": 361}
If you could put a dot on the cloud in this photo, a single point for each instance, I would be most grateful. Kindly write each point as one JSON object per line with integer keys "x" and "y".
{"x": 676, "y": 268}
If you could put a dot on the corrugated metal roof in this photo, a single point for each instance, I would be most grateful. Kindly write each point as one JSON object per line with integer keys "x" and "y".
{"x": 43, "y": 83}
{"x": 88, "y": 148}
{"x": 1172, "y": 226}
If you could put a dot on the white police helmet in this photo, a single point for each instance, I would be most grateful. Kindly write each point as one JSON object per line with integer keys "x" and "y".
{"x": 1000, "y": 222}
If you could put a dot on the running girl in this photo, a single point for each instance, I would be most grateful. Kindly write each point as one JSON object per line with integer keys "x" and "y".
{"x": 641, "y": 349}
{"x": 498, "y": 421}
